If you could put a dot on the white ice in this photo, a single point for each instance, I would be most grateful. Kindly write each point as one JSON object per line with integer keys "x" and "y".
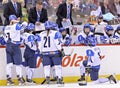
{"x": 69, "y": 85}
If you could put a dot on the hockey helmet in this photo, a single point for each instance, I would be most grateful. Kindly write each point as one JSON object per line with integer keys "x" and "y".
{"x": 118, "y": 28}
{"x": 87, "y": 25}
{"x": 30, "y": 26}
{"x": 62, "y": 29}
{"x": 12, "y": 17}
{"x": 48, "y": 25}
{"x": 109, "y": 28}
{"x": 55, "y": 26}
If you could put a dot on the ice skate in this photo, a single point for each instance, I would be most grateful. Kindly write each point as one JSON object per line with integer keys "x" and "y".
{"x": 112, "y": 78}
{"x": 21, "y": 81}
{"x": 30, "y": 82}
{"x": 82, "y": 78}
{"x": 10, "y": 82}
{"x": 47, "y": 80}
{"x": 60, "y": 82}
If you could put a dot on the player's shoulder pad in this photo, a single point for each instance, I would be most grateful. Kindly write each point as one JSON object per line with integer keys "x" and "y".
{"x": 89, "y": 52}
{"x": 31, "y": 38}
{"x": 57, "y": 35}
{"x": 37, "y": 37}
{"x": 18, "y": 26}
{"x": 81, "y": 38}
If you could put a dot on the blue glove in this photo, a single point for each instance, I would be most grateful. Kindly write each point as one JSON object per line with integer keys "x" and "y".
{"x": 2, "y": 41}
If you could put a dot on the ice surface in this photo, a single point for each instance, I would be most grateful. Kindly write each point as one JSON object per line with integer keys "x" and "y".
{"x": 69, "y": 85}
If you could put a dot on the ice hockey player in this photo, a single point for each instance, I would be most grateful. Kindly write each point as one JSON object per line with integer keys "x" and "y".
{"x": 92, "y": 64}
{"x": 117, "y": 35}
{"x": 13, "y": 52}
{"x": 66, "y": 39}
{"x": 51, "y": 51}
{"x": 108, "y": 37}
{"x": 83, "y": 35}
{"x": 29, "y": 41}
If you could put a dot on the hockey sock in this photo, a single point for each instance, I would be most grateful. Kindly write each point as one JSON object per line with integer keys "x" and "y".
{"x": 47, "y": 71}
{"x": 30, "y": 72}
{"x": 53, "y": 72}
{"x": 19, "y": 70}
{"x": 9, "y": 70}
{"x": 58, "y": 70}
{"x": 82, "y": 69}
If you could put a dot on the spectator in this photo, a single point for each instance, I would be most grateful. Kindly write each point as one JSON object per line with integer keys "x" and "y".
{"x": 4, "y": 2}
{"x": 101, "y": 21}
{"x": 117, "y": 6}
{"x": 64, "y": 12}
{"x": 96, "y": 11}
{"x": 104, "y": 7}
{"x": 38, "y": 14}
{"x": 24, "y": 11}
{"x": 12, "y": 7}
{"x": 1, "y": 23}
{"x": 111, "y": 7}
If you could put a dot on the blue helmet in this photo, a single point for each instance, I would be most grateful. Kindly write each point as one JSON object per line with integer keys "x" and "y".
{"x": 48, "y": 25}
{"x": 61, "y": 29}
{"x": 109, "y": 28}
{"x": 91, "y": 40}
{"x": 87, "y": 25}
{"x": 92, "y": 29}
{"x": 55, "y": 26}
{"x": 118, "y": 28}
{"x": 30, "y": 26}
{"x": 12, "y": 17}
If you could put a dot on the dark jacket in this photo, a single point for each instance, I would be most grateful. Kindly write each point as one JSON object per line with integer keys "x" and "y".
{"x": 33, "y": 15}
{"x": 62, "y": 13}
{"x": 9, "y": 10}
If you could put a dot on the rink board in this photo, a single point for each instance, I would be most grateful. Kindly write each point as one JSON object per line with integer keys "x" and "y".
{"x": 109, "y": 65}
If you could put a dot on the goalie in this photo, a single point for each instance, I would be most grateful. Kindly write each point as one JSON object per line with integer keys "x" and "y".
{"x": 92, "y": 64}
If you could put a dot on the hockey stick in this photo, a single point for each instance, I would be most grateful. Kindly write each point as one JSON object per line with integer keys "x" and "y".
{"x": 43, "y": 81}
{"x": 70, "y": 53}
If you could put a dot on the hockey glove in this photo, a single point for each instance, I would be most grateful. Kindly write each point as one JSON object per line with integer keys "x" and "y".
{"x": 62, "y": 54}
{"x": 88, "y": 69}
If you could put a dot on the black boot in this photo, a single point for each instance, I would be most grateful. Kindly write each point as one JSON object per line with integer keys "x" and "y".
{"x": 112, "y": 78}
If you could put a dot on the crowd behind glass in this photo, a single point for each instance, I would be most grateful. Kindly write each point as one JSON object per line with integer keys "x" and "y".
{"x": 90, "y": 14}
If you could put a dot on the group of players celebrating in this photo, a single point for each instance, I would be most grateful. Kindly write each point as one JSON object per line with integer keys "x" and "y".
{"x": 48, "y": 44}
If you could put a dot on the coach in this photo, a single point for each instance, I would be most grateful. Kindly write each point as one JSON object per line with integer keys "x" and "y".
{"x": 12, "y": 8}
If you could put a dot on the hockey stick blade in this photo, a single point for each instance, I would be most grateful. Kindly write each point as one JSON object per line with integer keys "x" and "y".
{"x": 43, "y": 81}
{"x": 82, "y": 84}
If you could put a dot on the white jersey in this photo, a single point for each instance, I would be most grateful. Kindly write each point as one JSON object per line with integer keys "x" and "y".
{"x": 51, "y": 42}
{"x": 13, "y": 33}
{"x": 67, "y": 37}
{"x": 31, "y": 44}
{"x": 117, "y": 35}
{"x": 83, "y": 35}
{"x": 95, "y": 59}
